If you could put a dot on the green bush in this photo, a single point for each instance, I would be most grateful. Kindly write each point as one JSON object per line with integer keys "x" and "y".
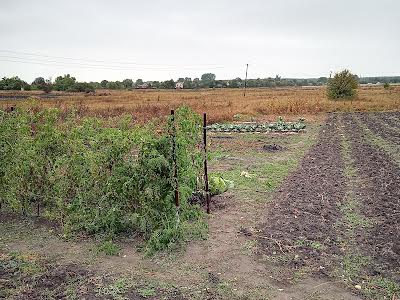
{"x": 342, "y": 85}
{"x": 13, "y": 83}
{"x": 81, "y": 87}
{"x": 102, "y": 178}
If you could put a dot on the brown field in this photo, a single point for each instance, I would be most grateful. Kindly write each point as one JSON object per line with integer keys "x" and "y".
{"x": 220, "y": 104}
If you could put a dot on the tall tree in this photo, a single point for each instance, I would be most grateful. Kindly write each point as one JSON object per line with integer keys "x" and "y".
{"x": 104, "y": 83}
{"x": 208, "y": 79}
{"x": 63, "y": 83}
{"x": 127, "y": 83}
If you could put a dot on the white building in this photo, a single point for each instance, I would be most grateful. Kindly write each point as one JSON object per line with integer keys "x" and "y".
{"x": 179, "y": 85}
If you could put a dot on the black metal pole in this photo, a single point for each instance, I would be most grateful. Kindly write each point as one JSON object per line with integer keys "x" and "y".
{"x": 174, "y": 160}
{"x": 245, "y": 81}
{"x": 205, "y": 162}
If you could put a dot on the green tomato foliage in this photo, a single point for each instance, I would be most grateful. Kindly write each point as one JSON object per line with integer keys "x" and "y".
{"x": 92, "y": 177}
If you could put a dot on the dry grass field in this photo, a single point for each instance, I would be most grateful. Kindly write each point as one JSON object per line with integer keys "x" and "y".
{"x": 220, "y": 104}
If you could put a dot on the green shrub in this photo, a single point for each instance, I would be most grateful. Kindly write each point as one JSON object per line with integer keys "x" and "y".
{"x": 93, "y": 177}
{"x": 342, "y": 85}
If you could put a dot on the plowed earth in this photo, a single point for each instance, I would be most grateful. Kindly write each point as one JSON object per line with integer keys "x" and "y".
{"x": 307, "y": 224}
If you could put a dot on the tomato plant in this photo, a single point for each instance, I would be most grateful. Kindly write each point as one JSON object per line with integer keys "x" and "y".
{"x": 93, "y": 177}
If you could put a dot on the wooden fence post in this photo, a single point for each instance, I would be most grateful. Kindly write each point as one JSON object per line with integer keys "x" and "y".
{"x": 205, "y": 162}
{"x": 174, "y": 161}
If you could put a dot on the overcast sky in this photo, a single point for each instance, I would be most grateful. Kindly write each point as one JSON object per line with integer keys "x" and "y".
{"x": 159, "y": 40}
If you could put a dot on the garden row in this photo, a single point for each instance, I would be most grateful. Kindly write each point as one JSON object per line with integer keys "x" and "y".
{"x": 279, "y": 126}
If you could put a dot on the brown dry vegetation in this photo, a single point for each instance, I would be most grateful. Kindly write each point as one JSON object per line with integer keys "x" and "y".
{"x": 220, "y": 104}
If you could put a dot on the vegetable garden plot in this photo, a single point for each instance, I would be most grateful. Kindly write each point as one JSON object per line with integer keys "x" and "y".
{"x": 380, "y": 201}
{"x": 279, "y": 126}
{"x": 338, "y": 213}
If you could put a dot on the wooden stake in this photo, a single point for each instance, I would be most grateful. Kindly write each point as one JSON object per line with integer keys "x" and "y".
{"x": 205, "y": 162}
{"x": 174, "y": 160}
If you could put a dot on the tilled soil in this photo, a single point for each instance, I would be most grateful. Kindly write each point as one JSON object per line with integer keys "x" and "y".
{"x": 302, "y": 216}
{"x": 377, "y": 126}
{"x": 393, "y": 119}
{"x": 303, "y": 221}
{"x": 380, "y": 196}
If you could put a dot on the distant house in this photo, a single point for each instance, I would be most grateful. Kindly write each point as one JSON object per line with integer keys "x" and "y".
{"x": 145, "y": 85}
{"x": 179, "y": 85}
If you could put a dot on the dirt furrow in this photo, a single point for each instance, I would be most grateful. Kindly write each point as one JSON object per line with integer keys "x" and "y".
{"x": 302, "y": 216}
{"x": 393, "y": 119}
{"x": 375, "y": 123}
{"x": 380, "y": 200}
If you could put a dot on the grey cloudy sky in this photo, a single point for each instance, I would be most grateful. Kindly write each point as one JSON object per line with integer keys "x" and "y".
{"x": 159, "y": 40}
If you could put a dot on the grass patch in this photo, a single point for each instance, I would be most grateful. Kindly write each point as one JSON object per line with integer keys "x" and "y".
{"x": 377, "y": 286}
{"x": 310, "y": 244}
{"x": 146, "y": 292}
{"x": 352, "y": 266}
{"x": 108, "y": 248}
{"x": 115, "y": 290}
{"x": 257, "y": 173}
{"x": 352, "y": 219}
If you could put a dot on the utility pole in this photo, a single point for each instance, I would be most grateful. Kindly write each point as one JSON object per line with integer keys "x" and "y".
{"x": 245, "y": 81}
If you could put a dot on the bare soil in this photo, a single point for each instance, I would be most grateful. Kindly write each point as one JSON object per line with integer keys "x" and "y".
{"x": 380, "y": 194}
{"x": 304, "y": 227}
{"x": 306, "y": 208}
{"x": 377, "y": 123}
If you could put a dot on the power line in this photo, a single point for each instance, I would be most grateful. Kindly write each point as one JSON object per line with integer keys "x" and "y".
{"x": 93, "y": 61}
{"x": 95, "y": 66}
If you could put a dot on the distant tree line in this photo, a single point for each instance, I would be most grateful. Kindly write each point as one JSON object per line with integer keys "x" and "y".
{"x": 208, "y": 80}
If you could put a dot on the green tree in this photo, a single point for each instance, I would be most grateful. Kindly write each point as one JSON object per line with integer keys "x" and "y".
{"x": 13, "y": 83}
{"x": 187, "y": 83}
{"x": 343, "y": 85}
{"x": 139, "y": 82}
{"x": 111, "y": 85}
{"x": 63, "y": 83}
{"x": 168, "y": 84}
{"x": 127, "y": 83}
{"x": 81, "y": 87}
{"x": 39, "y": 81}
{"x": 208, "y": 79}
{"x": 104, "y": 83}
{"x": 322, "y": 80}
{"x": 196, "y": 83}
{"x": 42, "y": 84}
